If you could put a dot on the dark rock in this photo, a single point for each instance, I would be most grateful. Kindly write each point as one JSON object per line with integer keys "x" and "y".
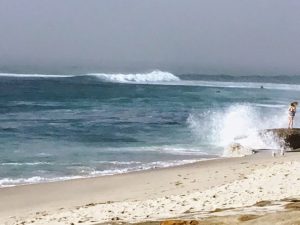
{"x": 289, "y": 138}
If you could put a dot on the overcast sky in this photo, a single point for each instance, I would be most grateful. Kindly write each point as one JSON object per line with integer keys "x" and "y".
{"x": 180, "y": 36}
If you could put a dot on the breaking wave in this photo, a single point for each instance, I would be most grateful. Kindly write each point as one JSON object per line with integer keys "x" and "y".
{"x": 155, "y": 76}
{"x": 152, "y": 77}
{"x": 239, "y": 123}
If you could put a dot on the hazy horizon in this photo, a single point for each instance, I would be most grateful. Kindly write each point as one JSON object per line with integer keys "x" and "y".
{"x": 194, "y": 36}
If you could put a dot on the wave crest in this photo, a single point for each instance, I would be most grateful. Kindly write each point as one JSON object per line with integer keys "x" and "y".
{"x": 153, "y": 77}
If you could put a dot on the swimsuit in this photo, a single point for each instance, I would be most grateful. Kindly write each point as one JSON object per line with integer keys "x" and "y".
{"x": 292, "y": 113}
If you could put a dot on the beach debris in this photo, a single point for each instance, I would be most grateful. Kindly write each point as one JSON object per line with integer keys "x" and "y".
{"x": 90, "y": 204}
{"x": 263, "y": 203}
{"x": 180, "y": 222}
{"x": 244, "y": 218}
{"x": 115, "y": 218}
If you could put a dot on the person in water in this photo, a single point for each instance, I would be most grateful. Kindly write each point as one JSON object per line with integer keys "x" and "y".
{"x": 292, "y": 113}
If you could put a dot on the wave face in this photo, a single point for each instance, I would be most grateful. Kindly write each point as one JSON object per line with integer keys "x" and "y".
{"x": 57, "y": 127}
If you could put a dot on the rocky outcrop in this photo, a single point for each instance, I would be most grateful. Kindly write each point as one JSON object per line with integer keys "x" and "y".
{"x": 289, "y": 138}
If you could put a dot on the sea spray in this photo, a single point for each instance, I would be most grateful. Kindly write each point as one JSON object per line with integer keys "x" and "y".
{"x": 238, "y": 123}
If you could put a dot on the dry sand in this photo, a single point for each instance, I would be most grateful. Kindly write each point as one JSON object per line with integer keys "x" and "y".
{"x": 195, "y": 191}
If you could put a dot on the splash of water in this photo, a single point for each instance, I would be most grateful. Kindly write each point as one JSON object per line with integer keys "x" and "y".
{"x": 239, "y": 123}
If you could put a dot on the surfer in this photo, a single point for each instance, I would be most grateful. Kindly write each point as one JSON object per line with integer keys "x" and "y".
{"x": 292, "y": 113}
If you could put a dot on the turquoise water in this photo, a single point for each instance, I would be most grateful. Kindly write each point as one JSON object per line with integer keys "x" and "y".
{"x": 68, "y": 126}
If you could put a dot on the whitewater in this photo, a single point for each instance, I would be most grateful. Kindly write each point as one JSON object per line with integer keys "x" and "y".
{"x": 68, "y": 126}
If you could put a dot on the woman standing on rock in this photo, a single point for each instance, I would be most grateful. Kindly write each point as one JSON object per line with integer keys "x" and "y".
{"x": 292, "y": 112}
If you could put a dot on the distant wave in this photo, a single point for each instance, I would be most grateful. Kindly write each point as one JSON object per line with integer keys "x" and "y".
{"x": 167, "y": 78}
{"x": 34, "y": 75}
{"x": 155, "y": 76}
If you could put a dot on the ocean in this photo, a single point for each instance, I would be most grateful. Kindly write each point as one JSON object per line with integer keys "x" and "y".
{"x": 59, "y": 127}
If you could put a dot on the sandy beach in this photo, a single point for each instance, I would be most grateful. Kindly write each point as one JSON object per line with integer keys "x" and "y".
{"x": 131, "y": 112}
{"x": 190, "y": 191}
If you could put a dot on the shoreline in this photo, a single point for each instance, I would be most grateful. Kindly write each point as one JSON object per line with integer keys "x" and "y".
{"x": 78, "y": 177}
{"x": 56, "y": 199}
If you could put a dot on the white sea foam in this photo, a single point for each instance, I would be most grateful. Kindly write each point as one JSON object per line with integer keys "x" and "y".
{"x": 155, "y": 76}
{"x": 119, "y": 162}
{"x": 9, "y": 182}
{"x": 169, "y": 149}
{"x": 197, "y": 151}
{"x": 25, "y": 163}
{"x": 269, "y": 105}
{"x": 145, "y": 166}
{"x": 238, "y": 123}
